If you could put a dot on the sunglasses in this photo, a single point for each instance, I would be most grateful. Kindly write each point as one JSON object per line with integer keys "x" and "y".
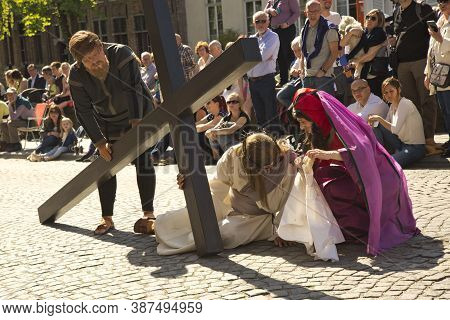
{"x": 371, "y": 18}
{"x": 358, "y": 89}
{"x": 232, "y": 102}
{"x": 442, "y": 1}
{"x": 260, "y": 21}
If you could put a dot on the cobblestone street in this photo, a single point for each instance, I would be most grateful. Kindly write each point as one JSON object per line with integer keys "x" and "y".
{"x": 66, "y": 261}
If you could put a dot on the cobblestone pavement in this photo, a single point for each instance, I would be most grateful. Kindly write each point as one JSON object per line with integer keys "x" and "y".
{"x": 66, "y": 261}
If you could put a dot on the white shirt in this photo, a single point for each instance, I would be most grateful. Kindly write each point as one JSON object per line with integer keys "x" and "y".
{"x": 374, "y": 105}
{"x": 269, "y": 44}
{"x": 406, "y": 123}
{"x": 334, "y": 17}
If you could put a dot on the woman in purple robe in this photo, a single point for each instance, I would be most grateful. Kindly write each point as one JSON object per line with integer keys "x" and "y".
{"x": 363, "y": 185}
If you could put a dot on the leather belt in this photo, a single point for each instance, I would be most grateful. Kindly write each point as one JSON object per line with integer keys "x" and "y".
{"x": 261, "y": 77}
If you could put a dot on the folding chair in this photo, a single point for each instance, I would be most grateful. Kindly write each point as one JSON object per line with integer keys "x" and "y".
{"x": 34, "y": 124}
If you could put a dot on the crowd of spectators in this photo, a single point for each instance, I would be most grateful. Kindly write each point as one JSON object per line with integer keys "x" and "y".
{"x": 391, "y": 71}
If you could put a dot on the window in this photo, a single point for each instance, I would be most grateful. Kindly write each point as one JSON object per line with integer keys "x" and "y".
{"x": 347, "y": 8}
{"x": 250, "y": 8}
{"x": 215, "y": 21}
{"x": 82, "y": 24}
{"x": 23, "y": 44}
{"x": 100, "y": 29}
{"x": 141, "y": 34}
{"x": 342, "y": 7}
{"x": 120, "y": 30}
{"x": 38, "y": 47}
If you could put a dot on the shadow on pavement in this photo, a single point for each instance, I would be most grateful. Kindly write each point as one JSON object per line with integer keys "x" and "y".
{"x": 419, "y": 253}
{"x": 144, "y": 254}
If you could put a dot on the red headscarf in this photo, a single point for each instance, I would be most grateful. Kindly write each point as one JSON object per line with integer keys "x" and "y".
{"x": 308, "y": 102}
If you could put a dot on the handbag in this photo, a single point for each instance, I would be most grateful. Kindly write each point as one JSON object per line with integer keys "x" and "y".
{"x": 439, "y": 75}
{"x": 379, "y": 66}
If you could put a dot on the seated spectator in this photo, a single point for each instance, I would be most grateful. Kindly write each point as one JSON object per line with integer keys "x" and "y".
{"x": 19, "y": 82}
{"x": 401, "y": 133}
{"x": 20, "y": 109}
{"x": 148, "y": 70}
{"x": 215, "y": 48}
{"x": 4, "y": 115}
{"x": 51, "y": 132}
{"x": 231, "y": 128}
{"x": 215, "y": 114}
{"x": 63, "y": 99}
{"x": 202, "y": 50}
{"x": 9, "y": 80}
{"x": 366, "y": 102}
{"x": 35, "y": 80}
{"x": 50, "y": 86}
{"x": 65, "y": 69}
{"x": 2, "y": 91}
{"x": 68, "y": 139}
{"x": 61, "y": 83}
{"x": 286, "y": 94}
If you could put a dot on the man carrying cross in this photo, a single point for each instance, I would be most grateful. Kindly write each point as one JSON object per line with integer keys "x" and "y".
{"x": 110, "y": 98}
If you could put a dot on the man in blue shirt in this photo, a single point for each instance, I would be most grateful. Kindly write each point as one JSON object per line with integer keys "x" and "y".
{"x": 261, "y": 77}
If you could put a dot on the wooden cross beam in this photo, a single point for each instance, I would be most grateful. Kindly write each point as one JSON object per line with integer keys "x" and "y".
{"x": 181, "y": 99}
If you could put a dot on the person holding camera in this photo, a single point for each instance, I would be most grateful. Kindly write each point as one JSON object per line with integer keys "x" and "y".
{"x": 411, "y": 30}
{"x": 438, "y": 64}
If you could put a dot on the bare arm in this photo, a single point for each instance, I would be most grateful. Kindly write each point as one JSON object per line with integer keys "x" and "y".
{"x": 211, "y": 124}
{"x": 232, "y": 129}
{"x": 334, "y": 52}
{"x": 324, "y": 155}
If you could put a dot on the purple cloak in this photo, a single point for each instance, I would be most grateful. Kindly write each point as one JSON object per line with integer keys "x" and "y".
{"x": 380, "y": 177}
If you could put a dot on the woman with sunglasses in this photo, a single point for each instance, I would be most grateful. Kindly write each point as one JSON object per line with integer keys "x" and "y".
{"x": 232, "y": 127}
{"x": 364, "y": 187}
{"x": 374, "y": 60}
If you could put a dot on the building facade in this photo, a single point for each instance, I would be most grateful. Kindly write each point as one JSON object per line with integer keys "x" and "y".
{"x": 123, "y": 21}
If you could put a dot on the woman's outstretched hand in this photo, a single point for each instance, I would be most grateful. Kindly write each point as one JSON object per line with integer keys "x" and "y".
{"x": 324, "y": 155}
{"x": 180, "y": 181}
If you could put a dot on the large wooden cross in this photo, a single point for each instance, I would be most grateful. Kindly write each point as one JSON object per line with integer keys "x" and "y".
{"x": 181, "y": 100}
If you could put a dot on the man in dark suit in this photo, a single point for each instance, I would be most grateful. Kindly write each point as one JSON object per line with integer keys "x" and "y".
{"x": 35, "y": 80}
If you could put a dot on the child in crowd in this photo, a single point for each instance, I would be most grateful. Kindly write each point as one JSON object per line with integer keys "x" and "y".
{"x": 68, "y": 139}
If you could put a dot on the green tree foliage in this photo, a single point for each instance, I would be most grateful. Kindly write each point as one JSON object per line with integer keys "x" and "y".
{"x": 229, "y": 35}
{"x": 36, "y": 15}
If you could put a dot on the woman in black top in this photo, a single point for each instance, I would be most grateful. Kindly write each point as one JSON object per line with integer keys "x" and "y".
{"x": 232, "y": 127}
{"x": 375, "y": 60}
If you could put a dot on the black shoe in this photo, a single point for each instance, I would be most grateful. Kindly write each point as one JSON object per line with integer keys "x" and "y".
{"x": 445, "y": 154}
{"x": 14, "y": 147}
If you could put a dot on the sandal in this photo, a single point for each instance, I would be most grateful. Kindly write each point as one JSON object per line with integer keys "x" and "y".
{"x": 104, "y": 228}
{"x": 145, "y": 225}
